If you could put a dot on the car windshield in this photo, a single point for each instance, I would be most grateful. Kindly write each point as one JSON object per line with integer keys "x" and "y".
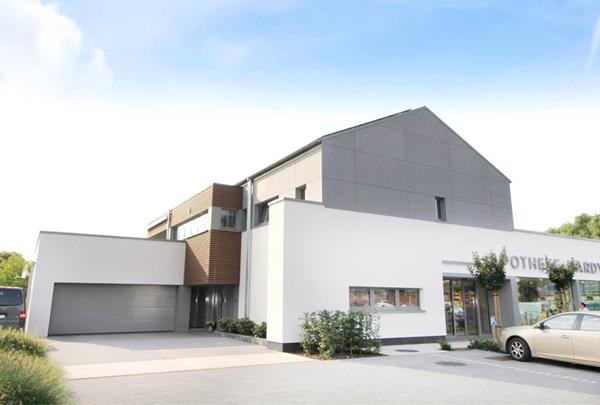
{"x": 10, "y": 297}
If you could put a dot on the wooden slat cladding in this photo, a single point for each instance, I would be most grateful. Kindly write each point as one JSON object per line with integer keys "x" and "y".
{"x": 197, "y": 255}
{"x": 224, "y": 257}
{"x": 157, "y": 229}
{"x": 192, "y": 207}
{"x": 227, "y": 196}
{"x": 213, "y": 257}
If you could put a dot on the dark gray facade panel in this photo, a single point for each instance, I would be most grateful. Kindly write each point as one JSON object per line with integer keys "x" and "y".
{"x": 383, "y": 201}
{"x": 408, "y": 160}
{"x": 428, "y": 180}
{"x": 339, "y": 163}
{"x": 111, "y": 308}
{"x": 381, "y": 140}
{"x": 380, "y": 171}
{"x": 427, "y": 151}
{"x": 339, "y": 194}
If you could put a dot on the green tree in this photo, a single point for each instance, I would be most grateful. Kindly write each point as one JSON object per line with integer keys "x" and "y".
{"x": 584, "y": 226}
{"x": 12, "y": 265}
{"x": 489, "y": 272}
{"x": 562, "y": 275}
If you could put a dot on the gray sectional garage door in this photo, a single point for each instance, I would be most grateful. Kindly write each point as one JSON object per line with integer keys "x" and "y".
{"x": 111, "y": 308}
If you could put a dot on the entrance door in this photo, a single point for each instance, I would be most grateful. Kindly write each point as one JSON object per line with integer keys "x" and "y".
{"x": 466, "y": 308}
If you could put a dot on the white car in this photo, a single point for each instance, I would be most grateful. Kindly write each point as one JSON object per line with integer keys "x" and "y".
{"x": 571, "y": 336}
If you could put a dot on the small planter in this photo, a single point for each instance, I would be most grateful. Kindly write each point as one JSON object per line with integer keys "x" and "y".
{"x": 211, "y": 326}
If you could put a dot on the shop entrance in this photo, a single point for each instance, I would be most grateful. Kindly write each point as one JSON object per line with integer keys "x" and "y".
{"x": 466, "y": 308}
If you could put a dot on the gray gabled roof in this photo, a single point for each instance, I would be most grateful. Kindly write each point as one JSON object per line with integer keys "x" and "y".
{"x": 319, "y": 140}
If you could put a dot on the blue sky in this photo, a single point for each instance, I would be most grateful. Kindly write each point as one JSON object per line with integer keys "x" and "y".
{"x": 274, "y": 49}
{"x": 115, "y": 111}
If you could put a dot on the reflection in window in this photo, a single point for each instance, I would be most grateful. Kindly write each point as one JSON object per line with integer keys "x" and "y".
{"x": 590, "y": 322}
{"x": 384, "y": 297}
{"x": 538, "y": 300}
{"x": 561, "y": 322}
{"x": 227, "y": 218}
{"x": 590, "y": 294}
{"x": 359, "y": 297}
{"x": 193, "y": 227}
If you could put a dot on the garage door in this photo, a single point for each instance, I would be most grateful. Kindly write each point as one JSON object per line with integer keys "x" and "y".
{"x": 111, "y": 308}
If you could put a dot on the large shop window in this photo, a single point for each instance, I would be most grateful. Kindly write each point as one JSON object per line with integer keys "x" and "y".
{"x": 590, "y": 294}
{"x": 538, "y": 299}
{"x": 394, "y": 299}
{"x": 193, "y": 227}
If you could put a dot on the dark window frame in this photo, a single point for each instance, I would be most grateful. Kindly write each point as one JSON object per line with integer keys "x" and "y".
{"x": 440, "y": 209}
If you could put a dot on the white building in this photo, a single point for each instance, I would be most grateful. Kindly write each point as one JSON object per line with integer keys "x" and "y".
{"x": 382, "y": 217}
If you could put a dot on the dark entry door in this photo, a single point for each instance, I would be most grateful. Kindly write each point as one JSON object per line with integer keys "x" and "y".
{"x": 466, "y": 308}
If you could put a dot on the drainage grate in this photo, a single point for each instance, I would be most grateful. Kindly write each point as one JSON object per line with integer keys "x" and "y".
{"x": 450, "y": 363}
{"x": 407, "y": 351}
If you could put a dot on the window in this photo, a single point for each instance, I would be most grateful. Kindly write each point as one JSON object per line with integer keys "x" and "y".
{"x": 193, "y": 227}
{"x": 228, "y": 218}
{"x": 399, "y": 299}
{"x": 538, "y": 299}
{"x": 262, "y": 211}
{"x": 590, "y": 322}
{"x": 590, "y": 294}
{"x": 561, "y": 322}
{"x": 301, "y": 192}
{"x": 359, "y": 297}
{"x": 10, "y": 297}
{"x": 384, "y": 297}
{"x": 440, "y": 207}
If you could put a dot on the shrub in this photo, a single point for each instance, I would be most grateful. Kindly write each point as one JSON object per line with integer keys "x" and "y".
{"x": 245, "y": 326}
{"x": 15, "y": 340}
{"x": 328, "y": 333}
{"x": 444, "y": 345}
{"x": 484, "y": 344}
{"x": 228, "y": 325}
{"x": 30, "y": 380}
{"x": 260, "y": 330}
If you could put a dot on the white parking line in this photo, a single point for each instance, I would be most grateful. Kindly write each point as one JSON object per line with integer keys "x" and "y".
{"x": 526, "y": 370}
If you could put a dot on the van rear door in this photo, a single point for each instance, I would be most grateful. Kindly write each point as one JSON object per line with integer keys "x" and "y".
{"x": 11, "y": 306}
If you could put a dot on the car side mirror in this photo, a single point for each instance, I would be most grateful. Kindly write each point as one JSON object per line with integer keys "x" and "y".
{"x": 540, "y": 326}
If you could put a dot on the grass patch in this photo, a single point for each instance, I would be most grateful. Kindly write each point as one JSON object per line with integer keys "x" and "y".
{"x": 15, "y": 340}
{"x": 28, "y": 379}
{"x": 484, "y": 344}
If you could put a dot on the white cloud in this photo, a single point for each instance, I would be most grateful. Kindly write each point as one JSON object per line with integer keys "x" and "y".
{"x": 41, "y": 51}
{"x": 594, "y": 45}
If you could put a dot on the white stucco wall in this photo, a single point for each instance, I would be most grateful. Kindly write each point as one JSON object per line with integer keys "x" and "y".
{"x": 77, "y": 258}
{"x": 316, "y": 254}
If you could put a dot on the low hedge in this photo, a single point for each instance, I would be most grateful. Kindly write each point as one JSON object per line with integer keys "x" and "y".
{"x": 329, "y": 333}
{"x": 26, "y": 379}
{"x": 243, "y": 326}
{"x": 484, "y": 344}
{"x": 15, "y": 340}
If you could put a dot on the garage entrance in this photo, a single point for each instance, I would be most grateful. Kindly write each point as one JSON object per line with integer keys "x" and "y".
{"x": 111, "y": 308}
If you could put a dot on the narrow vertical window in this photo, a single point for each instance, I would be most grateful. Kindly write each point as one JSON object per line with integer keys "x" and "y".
{"x": 440, "y": 206}
{"x": 301, "y": 192}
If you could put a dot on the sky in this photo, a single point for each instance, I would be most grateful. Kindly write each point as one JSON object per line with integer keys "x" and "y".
{"x": 112, "y": 112}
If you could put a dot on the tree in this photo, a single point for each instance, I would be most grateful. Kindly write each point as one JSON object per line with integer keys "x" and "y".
{"x": 489, "y": 272}
{"x": 562, "y": 276}
{"x": 12, "y": 265}
{"x": 584, "y": 226}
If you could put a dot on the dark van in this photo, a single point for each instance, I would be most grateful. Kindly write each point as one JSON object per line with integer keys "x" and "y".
{"x": 12, "y": 307}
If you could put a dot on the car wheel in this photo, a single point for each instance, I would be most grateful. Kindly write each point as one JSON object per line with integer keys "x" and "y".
{"x": 519, "y": 349}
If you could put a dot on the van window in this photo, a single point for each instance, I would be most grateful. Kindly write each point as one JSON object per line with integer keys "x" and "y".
{"x": 10, "y": 297}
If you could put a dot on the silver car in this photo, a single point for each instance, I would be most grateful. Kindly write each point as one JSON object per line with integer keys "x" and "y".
{"x": 12, "y": 307}
{"x": 571, "y": 336}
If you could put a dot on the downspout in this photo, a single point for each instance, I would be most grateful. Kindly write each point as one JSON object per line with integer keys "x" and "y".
{"x": 249, "y": 221}
{"x": 169, "y": 225}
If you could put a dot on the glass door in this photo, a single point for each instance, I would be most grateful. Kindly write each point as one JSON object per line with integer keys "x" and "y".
{"x": 466, "y": 308}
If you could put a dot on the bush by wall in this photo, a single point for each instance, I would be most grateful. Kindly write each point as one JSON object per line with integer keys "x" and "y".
{"x": 484, "y": 344}
{"x": 228, "y": 325}
{"x": 26, "y": 379}
{"x": 260, "y": 330}
{"x": 327, "y": 333}
{"x": 15, "y": 340}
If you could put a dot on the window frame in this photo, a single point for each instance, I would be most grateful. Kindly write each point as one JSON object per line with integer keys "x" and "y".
{"x": 371, "y": 307}
{"x": 263, "y": 205}
{"x": 225, "y": 215}
{"x": 301, "y": 192}
{"x": 440, "y": 209}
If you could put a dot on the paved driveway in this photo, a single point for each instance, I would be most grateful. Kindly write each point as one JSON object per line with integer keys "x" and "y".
{"x": 423, "y": 377}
